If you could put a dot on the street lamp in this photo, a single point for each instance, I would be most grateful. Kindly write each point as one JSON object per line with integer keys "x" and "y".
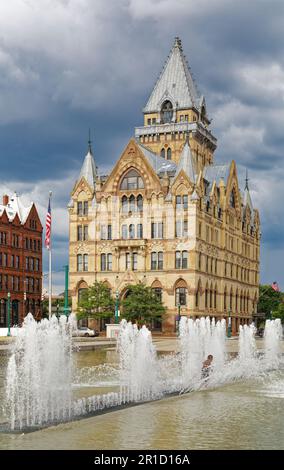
{"x": 66, "y": 307}
{"x": 178, "y": 319}
{"x": 229, "y": 325}
{"x": 9, "y": 314}
{"x": 116, "y": 307}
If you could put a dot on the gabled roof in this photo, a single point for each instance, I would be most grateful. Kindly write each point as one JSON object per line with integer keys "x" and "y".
{"x": 14, "y": 207}
{"x": 159, "y": 164}
{"x": 88, "y": 170}
{"x": 186, "y": 162}
{"x": 174, "y": 83}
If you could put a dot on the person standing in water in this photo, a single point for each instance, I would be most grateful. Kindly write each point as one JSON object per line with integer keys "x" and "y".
{"x": 206, "y": 366}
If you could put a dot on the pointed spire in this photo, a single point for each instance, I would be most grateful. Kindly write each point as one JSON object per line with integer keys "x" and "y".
{"x": 89, "y": 169}
{"x": 90, "y": 143}
{"x": 177, "y": 43}
{"x": 247, "y": 180}
{"x": 247, "y": 198}
{"x": 175, "y": 83}
{"x": 186, "y": 162}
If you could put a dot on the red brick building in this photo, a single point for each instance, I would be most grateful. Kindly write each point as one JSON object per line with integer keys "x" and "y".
{"x": 20, "y": 260}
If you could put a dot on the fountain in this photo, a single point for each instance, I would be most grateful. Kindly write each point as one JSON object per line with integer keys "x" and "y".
{"x": 39, "y": 373}
{"x": 41, "y": 376}
{"x": 272, "y": 337}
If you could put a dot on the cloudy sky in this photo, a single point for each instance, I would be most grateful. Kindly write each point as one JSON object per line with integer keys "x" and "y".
{"x": 67, "y": 65}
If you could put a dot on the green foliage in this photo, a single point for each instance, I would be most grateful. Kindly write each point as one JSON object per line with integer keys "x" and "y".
{"x": 269, "y": 300}
{"x": 96, "y": 302}
{"x": 279, "y": 312}
{"x": 56, "y": 304}
{"x": 141, "y": 304}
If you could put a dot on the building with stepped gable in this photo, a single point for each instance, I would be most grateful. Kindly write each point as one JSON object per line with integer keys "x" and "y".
{"x": 20, "y": 260}
{"x": 168, "y": 215}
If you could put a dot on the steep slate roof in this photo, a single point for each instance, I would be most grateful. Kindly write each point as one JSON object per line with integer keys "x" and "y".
{"x": 186, "y": 162}
{"x": 88, "y": 170}
{"x": 15, "y": 206}
{"x": 159, "y": 164}
{"x": 174, "y": 83}
{"x": 216, "y": 173}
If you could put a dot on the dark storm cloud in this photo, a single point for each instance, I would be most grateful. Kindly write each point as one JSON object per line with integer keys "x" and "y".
{"x": 66, "y": 66}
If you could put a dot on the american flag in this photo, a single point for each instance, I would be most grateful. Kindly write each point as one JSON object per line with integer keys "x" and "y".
{"x": 48, "y": 227}
{"x": 275, "y": 286}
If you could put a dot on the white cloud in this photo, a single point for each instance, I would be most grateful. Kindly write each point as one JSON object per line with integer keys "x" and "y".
{"x": 39, "y": 193}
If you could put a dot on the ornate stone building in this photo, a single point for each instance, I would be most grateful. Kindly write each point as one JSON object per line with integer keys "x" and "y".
{"x": 167, "y": 215}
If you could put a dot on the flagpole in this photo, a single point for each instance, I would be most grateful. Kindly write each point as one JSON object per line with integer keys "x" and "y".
{"x": 50, "y": 268}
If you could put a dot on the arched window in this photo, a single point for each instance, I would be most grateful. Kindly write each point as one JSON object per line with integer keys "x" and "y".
{"x": 158, "y": 292}
{"x": 140, "y": 203}
{"x": 132, "y": 205}
{"x": 166, "y": 112}
{"x": 181, "y": 296}
{"x": 163, "y": 153}
{"x": 169, "y": 154}
{"x": 131, "y": 231}
{"x": 132, "y": 180}
{"x": 124, "y": 203}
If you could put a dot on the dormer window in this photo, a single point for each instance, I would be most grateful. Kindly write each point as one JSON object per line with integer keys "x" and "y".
{"x": 166, "y": 112}
{"x": 132, "y": 180}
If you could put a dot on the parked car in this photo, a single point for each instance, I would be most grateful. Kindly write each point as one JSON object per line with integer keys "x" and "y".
{"x": 85, "y": 331}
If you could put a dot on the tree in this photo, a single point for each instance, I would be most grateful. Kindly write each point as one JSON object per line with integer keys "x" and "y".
{"x": 96, "y": 302}
{"x": 269, "y": 300}
{"x": 279, "y": 312}
{"x": 141, "y": 304}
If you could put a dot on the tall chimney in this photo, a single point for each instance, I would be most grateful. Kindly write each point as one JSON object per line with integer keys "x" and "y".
{"x": 5, "y": 200}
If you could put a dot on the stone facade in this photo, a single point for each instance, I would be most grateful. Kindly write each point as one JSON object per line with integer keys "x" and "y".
{"x": 167, "y": 215}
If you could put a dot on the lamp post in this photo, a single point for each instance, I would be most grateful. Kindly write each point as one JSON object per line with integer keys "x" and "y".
{"x": 229, "y": 325}
{"x": 178, "y": 319}
{"x": 116, "y": 307}
{"x": 66, "y": 308}
{"x": 9, "y": 314}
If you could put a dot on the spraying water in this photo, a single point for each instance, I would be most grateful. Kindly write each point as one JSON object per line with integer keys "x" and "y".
{"x": 272, "y": 337}
{"x": 198, "y": 339}
{"x": 41, "y": 376}
{"x": 39, "y": 373}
